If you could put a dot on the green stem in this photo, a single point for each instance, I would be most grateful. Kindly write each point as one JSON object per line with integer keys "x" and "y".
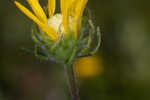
{"x": 72, "y": 82}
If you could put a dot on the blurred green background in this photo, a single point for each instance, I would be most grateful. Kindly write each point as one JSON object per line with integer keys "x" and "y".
{"x": 123, "y": 71}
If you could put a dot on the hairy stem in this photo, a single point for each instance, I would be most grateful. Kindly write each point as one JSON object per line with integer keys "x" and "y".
{"x": 72, "y": 81}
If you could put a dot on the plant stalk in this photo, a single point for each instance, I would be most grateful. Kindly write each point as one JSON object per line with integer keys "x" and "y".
{"x": 72, "y": 81}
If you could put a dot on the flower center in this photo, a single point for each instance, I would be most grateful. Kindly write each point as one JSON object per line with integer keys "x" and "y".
{"x": 56, "y": 23}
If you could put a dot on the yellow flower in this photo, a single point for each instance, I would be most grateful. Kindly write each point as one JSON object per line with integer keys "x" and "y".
{"x": 89, "y": 67}
{"x": 71, "y": 13}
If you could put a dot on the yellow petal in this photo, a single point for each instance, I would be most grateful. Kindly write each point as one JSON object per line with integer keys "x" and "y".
{"x": 65, "y": 13}
{"x": 51, "y": 7}
{"x": 50, "y": 31}
{"x": 66, "y": 22}
{"x": 73, "y": 6}
{"x": 38, "y": 10}
{"x": 69, "y": 4}
{"x": 78, "y": 9}
{"x": 75, "y": 29}
{"x": 62, "y": 5}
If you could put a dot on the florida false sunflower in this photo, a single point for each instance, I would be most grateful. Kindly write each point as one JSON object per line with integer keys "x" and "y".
{"x": 61, "y": 36}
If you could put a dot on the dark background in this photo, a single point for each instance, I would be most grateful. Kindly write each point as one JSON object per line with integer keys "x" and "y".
{"x": 124, "y": 55}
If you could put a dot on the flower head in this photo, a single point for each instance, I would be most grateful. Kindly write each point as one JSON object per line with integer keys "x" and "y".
{"x": 61, "y": 36}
